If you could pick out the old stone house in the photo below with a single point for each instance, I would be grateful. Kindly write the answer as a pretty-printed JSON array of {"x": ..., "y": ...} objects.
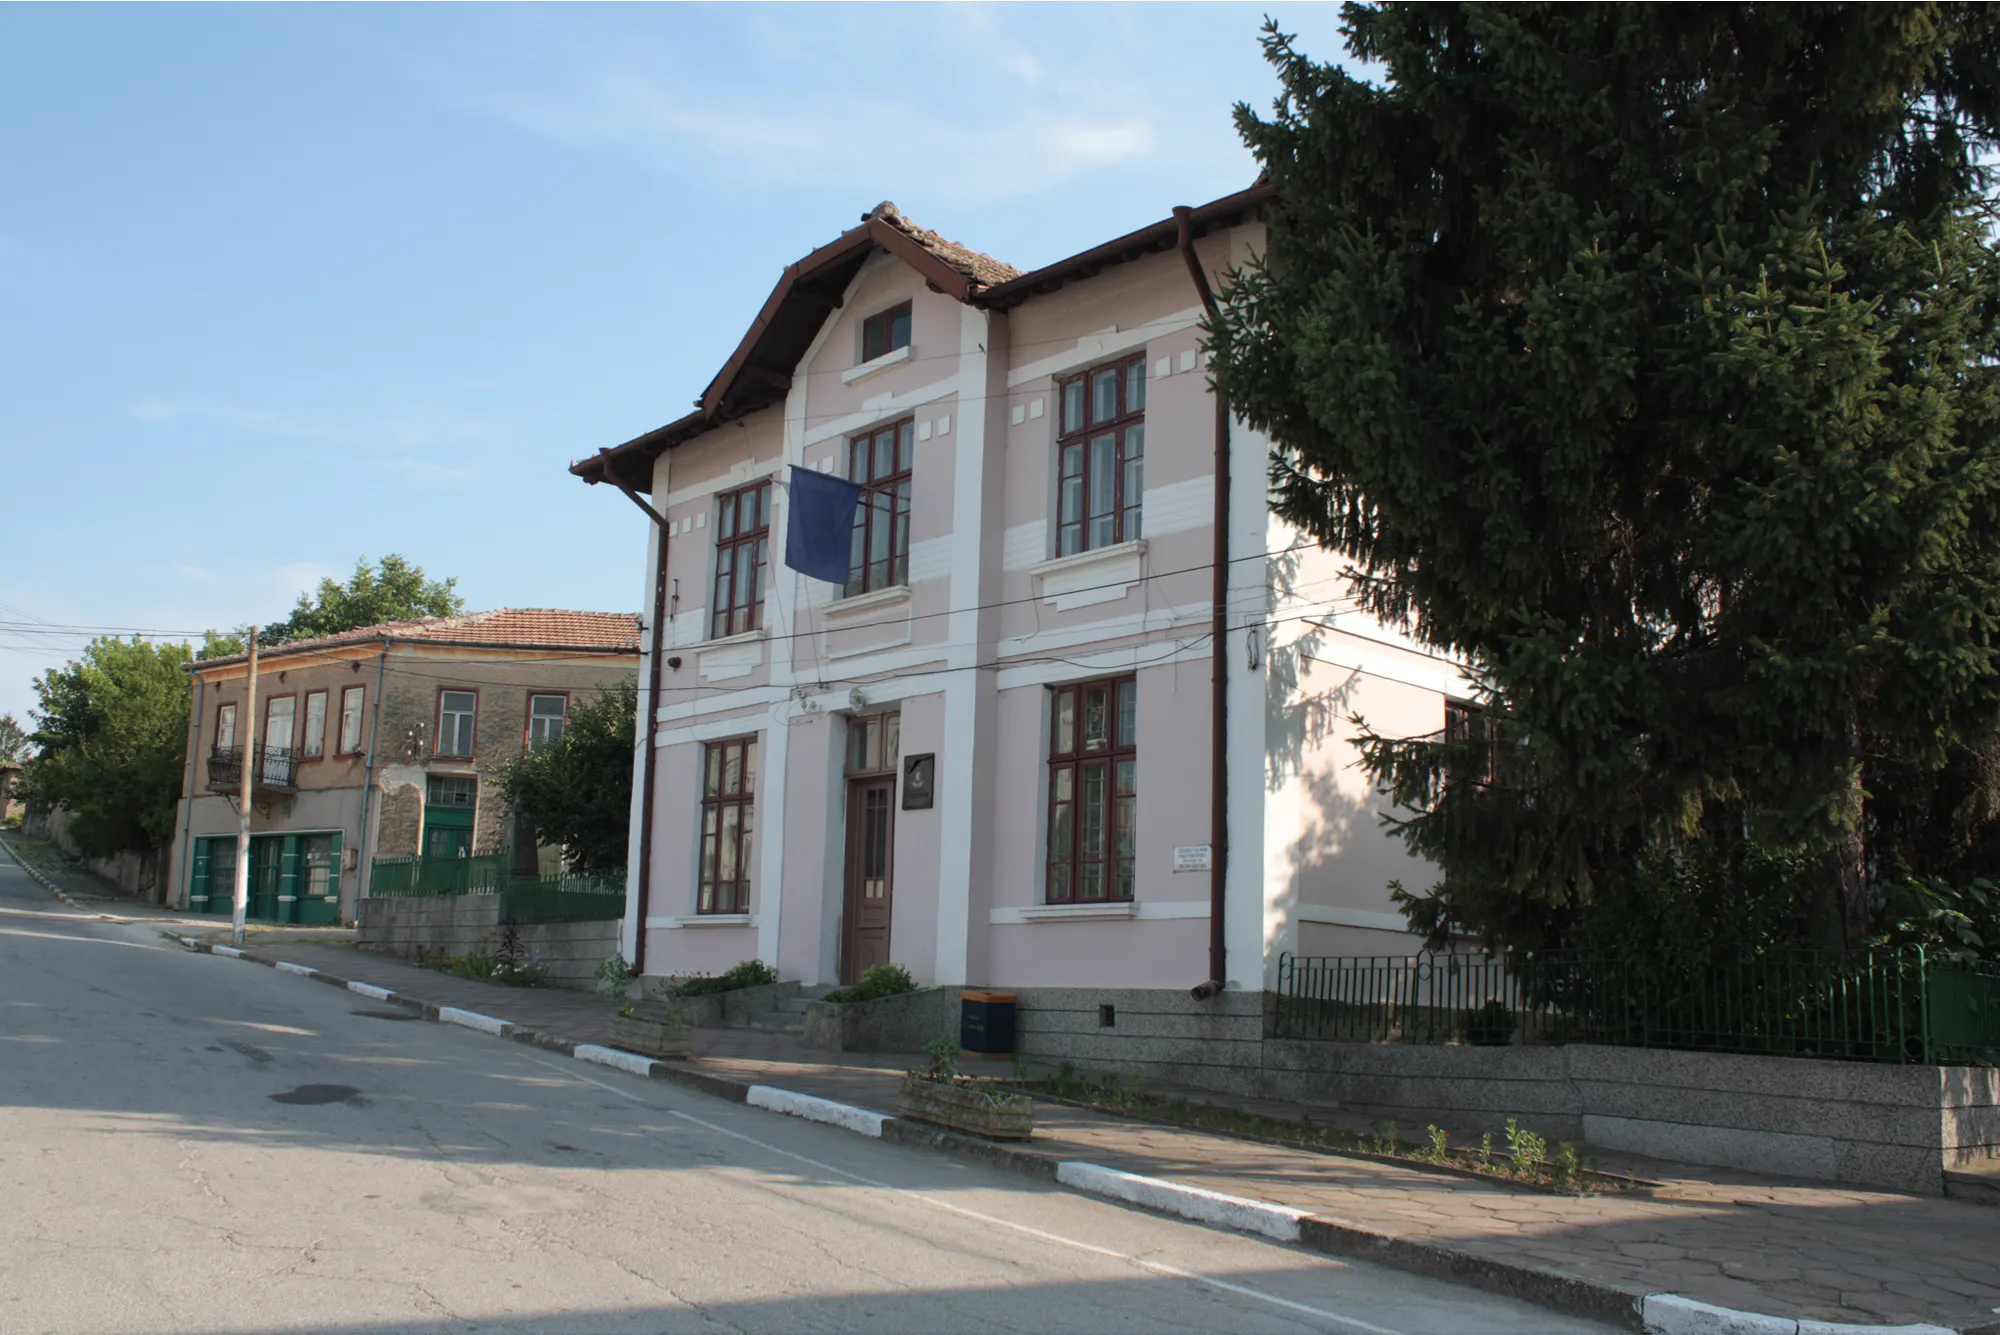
[{"x": 379, "y": 742}]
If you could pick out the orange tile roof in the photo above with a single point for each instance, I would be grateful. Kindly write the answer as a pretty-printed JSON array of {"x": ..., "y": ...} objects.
[
  {"x": 520, "y": 627},
  {"x": 980, "y": 268}
]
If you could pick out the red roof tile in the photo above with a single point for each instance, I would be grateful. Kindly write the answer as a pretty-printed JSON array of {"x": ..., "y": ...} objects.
[
  {"x": 982, "y": 269},
  {"x": 524, "y": 627}
]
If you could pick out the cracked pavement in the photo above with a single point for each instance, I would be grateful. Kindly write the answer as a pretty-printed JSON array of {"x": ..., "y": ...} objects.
[{"x": 151, "y": 1182}]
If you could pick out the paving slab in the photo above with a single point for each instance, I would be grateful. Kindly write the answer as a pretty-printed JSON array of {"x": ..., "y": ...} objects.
[{"x": 1793, "y": 1249}]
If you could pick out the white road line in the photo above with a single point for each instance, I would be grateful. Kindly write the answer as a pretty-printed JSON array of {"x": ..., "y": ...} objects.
[{"x": 1157, "y": 1267}]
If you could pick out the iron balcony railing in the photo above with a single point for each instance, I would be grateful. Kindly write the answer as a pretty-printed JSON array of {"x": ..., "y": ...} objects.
[
  {"x": 1887, "y": 1006},
  {"x": 272, "y": 768}
]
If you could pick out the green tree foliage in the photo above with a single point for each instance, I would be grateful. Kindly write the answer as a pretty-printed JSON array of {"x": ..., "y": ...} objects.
[
  {"x": 1644, "y": 357},
  {"x": 393, "y": 590},
  {"x": 112, "y": 733},
  {"x": 577, "y": 792},
  {"x": 13, "y": 740}
]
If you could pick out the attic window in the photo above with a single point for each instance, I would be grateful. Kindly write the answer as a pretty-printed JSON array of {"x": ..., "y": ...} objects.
[{"x": 883, "y": 333}]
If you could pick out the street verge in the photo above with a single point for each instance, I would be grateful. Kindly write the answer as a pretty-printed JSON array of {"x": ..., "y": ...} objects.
[{"x": 1666, "y": 1314}]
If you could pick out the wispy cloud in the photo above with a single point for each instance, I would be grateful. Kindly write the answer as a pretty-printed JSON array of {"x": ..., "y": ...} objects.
[{"x": 412, "y": 429}]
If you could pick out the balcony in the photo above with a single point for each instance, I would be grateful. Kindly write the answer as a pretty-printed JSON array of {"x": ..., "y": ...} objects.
[{"x": 271, "y": 768}]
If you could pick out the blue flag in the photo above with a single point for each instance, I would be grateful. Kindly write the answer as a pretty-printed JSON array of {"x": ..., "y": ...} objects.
[{"x": 819, "y": 529}]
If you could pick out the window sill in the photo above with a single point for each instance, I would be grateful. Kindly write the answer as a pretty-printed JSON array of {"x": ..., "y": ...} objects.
[
  {"x": 705, "y": 920},
  {"x": 882, "y": 363},
  {"x": 1080, "y": 912},
  {"x": 1100, "y": 576},
  {"x": 845, "y": 608},
  {"x": 727, "y": 641}
]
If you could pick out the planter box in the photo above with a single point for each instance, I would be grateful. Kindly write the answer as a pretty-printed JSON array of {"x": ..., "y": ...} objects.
[
  {"x": 964, "y": 1105},
  {"x": 651, "y": 1038}
]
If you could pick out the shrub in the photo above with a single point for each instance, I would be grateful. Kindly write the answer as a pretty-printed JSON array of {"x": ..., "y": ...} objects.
[
  {"x": 883, "y": 980},
  {"x": 750, "y": 973}
]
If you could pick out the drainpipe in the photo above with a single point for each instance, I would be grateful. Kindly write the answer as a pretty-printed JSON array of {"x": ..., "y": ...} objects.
[
  {"x": 1218, "y": 739},
  {"x": 187, "y": 819},
  {"x": 364, "y": 862},
  {"x": 649, "y": 759}
]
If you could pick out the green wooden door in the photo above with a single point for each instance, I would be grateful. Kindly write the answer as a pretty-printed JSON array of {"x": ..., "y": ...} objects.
[
  {"x": 447, "y": 832},
  {"x": 319, "y": 879}
]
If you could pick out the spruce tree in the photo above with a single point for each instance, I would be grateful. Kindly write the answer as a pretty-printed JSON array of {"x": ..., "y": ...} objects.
[{"x": 1643, "y": 356}]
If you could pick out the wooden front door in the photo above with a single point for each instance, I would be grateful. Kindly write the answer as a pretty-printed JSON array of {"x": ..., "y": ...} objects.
[{"x": 870, "y": 890}]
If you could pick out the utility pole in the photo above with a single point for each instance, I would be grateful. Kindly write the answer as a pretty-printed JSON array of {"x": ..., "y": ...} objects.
[{"x": 250, "y": 759}]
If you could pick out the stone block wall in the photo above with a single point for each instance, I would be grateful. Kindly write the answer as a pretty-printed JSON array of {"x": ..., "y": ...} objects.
[
  {"x": 1867, "y": 1123},
  {"x": 569, "y": 953}
]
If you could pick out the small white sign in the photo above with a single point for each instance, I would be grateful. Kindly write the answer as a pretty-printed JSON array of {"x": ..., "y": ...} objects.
[{"x": 1191, "y": 857}]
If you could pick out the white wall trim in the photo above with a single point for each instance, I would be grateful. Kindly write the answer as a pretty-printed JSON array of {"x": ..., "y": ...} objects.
[
  {"x": 1144, "y": 910},
  {"x": 1082, "y": 579},
  {"x": 1098, "y": 632},
  {"x": 1147, "y": 655},
  {"x": 848, "y": 609},
  {"x": 1334, "y": 916},
  {"x": 1103, "y": 345},
  {"x": 1024, "y": 546},
  {"x": 879, "y": 409},
  {"x": 1178, "y": 507},
  {"x": 741, "y": 474},
  {"x": 770, "y": 882}
]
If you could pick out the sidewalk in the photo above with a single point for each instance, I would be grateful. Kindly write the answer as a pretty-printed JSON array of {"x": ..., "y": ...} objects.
[{"x": 1795, "y": 1250}]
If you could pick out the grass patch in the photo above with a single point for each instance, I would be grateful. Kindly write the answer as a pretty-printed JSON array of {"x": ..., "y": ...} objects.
[{"x": 1524, "y": 1160}]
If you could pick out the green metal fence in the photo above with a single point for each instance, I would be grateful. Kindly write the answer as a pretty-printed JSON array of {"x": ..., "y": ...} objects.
[
  {"x": 482, "y": 875},
  {"x": 1896, "y": 1006},
  {"x": 566, "y": 897}
]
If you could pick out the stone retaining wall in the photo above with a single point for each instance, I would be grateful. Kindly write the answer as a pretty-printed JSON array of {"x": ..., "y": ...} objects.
[
  {"x": 568, "y": 952},
  {"x": 1862, "y": 1122}
]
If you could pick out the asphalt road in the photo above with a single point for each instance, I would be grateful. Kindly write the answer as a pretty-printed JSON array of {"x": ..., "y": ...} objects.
[{"x": 189, "y": 1142}]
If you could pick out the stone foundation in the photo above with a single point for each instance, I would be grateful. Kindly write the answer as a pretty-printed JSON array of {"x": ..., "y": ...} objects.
[
  {"x": 1867, "y": 1123},
  {"x": 569, "y": 952}
]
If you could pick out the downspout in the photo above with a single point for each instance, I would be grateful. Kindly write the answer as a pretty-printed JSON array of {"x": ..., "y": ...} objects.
[
  {"x": 650, "y": 758},
  {"x": 187, "y": 819},
  {"x": 364, "y": 870},
  {"x": 1218, "y": 708}
]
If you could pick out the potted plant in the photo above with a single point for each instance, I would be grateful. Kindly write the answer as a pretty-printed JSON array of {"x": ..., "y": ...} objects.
[
  {"x": 938, "y": 1094},
  {"x": 659, "y": 1035},
  {"x": 668, "y": 1035}
]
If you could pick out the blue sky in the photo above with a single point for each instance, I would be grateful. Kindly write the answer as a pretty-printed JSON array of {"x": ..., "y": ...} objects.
[{"x": 283, "y": 286}]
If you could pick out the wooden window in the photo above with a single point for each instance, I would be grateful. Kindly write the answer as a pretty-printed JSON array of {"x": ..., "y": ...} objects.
[
  {"x": 880, "y": 461},
  {"x": 883, "y": 333},
  {"x": 457, "y": 711},
  {"x": 728, "y": 810},
  {"x": 1101, "y": 447},
  {"x": 742, "y": 545},
  {"x": 225, "y": 727},
  {"x": 1093, "y": 790},
  {"x": 873, "y": 743},
  {"x": 313, "y": 744},
  {"x": 456, "y": 792},
  {"x": 1468, "y": 726},
  {"x": 350, "y": 721},
  {"x": 546, "y": 716}
]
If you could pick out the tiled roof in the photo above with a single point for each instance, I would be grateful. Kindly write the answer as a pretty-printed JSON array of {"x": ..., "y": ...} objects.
[
  {"x": 982, "y": 269},
  {"x": 530, "y": 627}
]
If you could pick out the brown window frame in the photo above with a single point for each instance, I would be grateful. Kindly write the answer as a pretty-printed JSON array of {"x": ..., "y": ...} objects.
[
  {"x": 713, "y": 893},
  {"x": 729, "y": 615},
  {"x": 884, "y": 506},
  {"x": 1070, "y": 760},
  {"x": 306, "y": 750},
  {"x": 528, "y": 723},
  {"x": 340, "y": 746},
  {"x": 1461, "y": 718},
  {"x": 1077, "y": 427},
  {"x": 883, "y": 322},
  {"x": 437, "y": 747}
]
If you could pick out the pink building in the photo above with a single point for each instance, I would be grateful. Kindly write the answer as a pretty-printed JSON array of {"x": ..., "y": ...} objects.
[{"x": 987, "y": 756}]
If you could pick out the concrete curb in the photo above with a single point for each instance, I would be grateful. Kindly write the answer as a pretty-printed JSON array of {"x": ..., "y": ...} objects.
[
  {"x": 35, "y": 875},
  {"x": 1658, "y": 1313}
]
